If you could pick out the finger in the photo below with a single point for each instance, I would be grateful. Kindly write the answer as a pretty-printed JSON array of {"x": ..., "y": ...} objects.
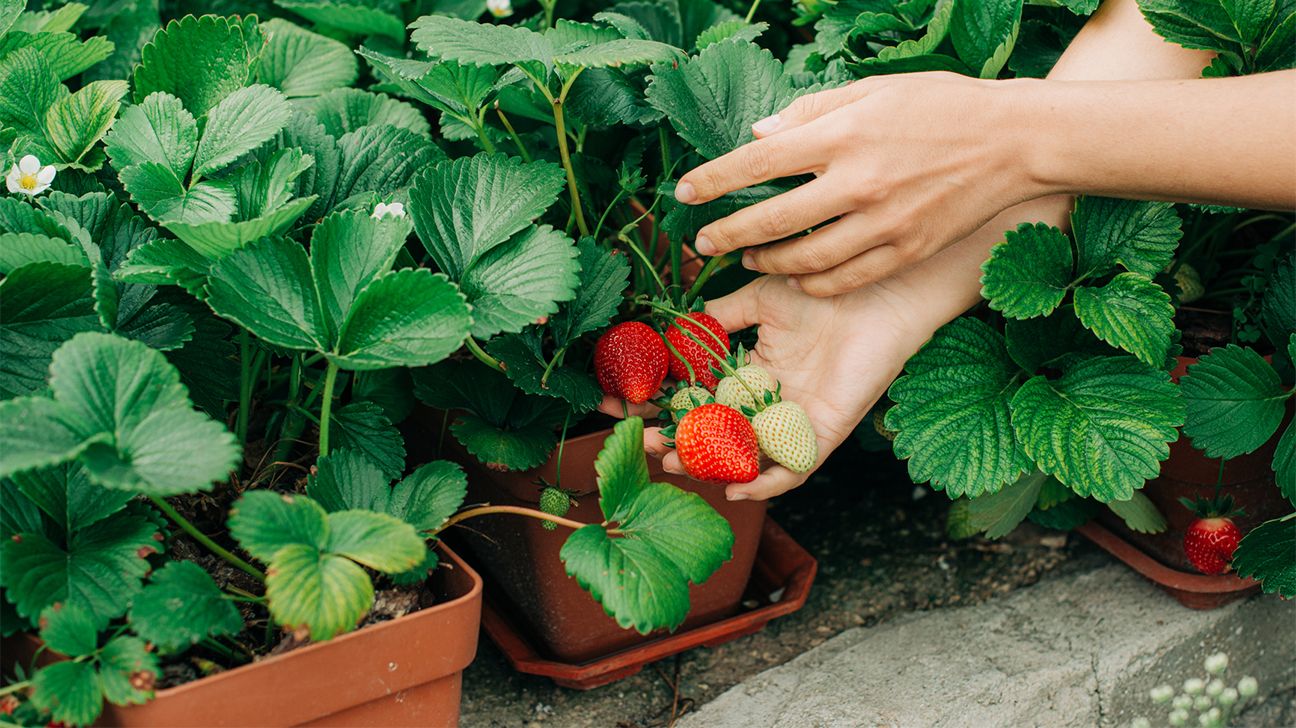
[
  {"x": 819, "y": 251},
  {"x": 655, "y": 443},
  {"x": 776, "y": 218},
  {"x": 671, "y": 463},
  {"x": 739, "y": 309},
  {"x": 752, "y": 163},
  {"x": 810, "y": 107},
  {"x": 775, "y": 481},
  {"x": 868, "y": 267},
  {"x": 617, "y": 407}
]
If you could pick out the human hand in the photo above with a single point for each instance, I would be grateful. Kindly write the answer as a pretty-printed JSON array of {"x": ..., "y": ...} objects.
[
  {"x": 907, "y": 165},
  {"x": 833, "y": 356}
]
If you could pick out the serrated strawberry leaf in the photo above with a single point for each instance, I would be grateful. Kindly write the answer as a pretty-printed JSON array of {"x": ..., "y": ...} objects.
[
  {"x": 1265, "y": 554},
  {"x": 531, "y": 373},
  {"x": 69, "y": 691},
  {"x": 349, "y": 18},
  {"x": 126, "y": 666},
  {"x": 1130, "y": 312},
  {"x": 1029, "y": 273},
  {"x": 345, "y": 110},
  {"x": 67, "y": 495},
  {"x": 324, "y": 593},
  {"x": 301, "y": 63},
  {"x": 1103, "y": 428},
  {"x": 1139, "y": 513},
  {"x": 158, "y": 130},
  {"x": 521, "y": 281},
  {"x": 983, "y": 33},
  {"x": 19, "y": 249},
  {"x": 180, "y": 606},
  {"x": 952, "y": 415},
  {"x": 431, "y": 494},
  {"x": 1138, "y": 236},
  {"x": 199, "y": 60},
  {"x": 405, "y": 318},
  {"x": 68, "y": 630},
  {"x": 237, "y": 124},
  {"x": 604, "y": 276},
  {"x": 264, "y": 522},
  {"x": 363, "y": 427},
  {"x": 1235, "y": 402},
  {"x": 997, "y": 514},
  {"x": 664, "y": 539},
  {"x": 75, "y": 123},
  {"x": 45, "y": 304}
]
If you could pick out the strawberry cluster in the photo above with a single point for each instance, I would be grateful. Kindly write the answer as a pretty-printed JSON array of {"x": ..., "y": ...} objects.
[{"x": 725, "y": 411}]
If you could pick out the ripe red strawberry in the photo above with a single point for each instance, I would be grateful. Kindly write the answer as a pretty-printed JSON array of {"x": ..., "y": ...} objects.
[
  {"x": 630, "y": 361},
  {"x": 697, "y": 356},
  {"x": 717, "y": 444},
  {"x": 1210, "y": 543}
]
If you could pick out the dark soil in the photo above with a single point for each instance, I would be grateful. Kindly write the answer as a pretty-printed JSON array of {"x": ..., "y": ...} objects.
[{"x": 882, "y": 551}]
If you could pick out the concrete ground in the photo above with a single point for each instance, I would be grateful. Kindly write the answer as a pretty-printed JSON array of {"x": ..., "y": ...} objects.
[{"x": 906, "y": 627}]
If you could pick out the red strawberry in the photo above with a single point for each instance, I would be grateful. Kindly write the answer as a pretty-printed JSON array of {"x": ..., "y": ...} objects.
[
  {"x": 630, "y": 361},
  {"x": 695, "y": 353},
  {"x": 717, "y": 444},
  {"x": 1210, "y": 543}
]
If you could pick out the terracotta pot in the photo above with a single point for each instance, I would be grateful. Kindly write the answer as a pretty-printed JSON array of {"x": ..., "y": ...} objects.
[
  {"x": 780, "y": 583},
  {"x": 520, "y": 557},
  {"x": 406, "y": 672}
]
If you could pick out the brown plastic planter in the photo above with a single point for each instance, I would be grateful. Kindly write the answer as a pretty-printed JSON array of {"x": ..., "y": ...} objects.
[
  {"x": 520, "y": 558},
  {"x": 406, "y": 672},
  {"x": 1188, "y": 473},
  {"x": 782, "y": 568}
]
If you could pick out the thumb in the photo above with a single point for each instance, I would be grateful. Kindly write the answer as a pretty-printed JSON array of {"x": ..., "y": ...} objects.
[
  {"x": 738, "y": 310},
  {"x": 809, "y": 107}
]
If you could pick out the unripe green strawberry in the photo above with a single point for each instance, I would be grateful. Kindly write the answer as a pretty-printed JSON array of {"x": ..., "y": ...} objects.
[
  {"x": 687, "y": 398},
  {"x": 785, "y": 434},
  {"x": 555, "y": 502},
  {"x": 736, "y": 389},
  {"x": 1189, "y": 284}
]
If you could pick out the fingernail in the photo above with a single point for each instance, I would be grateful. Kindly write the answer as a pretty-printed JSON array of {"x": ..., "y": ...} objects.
[
  {"x": 685, "y": 193},
  {"x": 749, "y": 261},
  {"x": 737, "y": 496},
  {"x": 793, "y": 284},
  {"x": 704, "y": 246},
  {"x": 768, "y": 125}
]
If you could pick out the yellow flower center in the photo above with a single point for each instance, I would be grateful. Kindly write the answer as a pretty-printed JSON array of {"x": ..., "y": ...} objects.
[{"x": 27, "y": 181}]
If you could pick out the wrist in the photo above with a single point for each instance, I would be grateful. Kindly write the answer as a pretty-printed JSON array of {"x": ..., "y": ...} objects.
[{"x": 1035, "y": 110}]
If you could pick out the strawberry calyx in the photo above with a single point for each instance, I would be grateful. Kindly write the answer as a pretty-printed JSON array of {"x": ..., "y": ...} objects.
[{"x": 1219, "y": 506}]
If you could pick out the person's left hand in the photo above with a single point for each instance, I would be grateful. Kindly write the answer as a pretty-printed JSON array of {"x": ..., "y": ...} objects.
[{"x": 906, "y": 165}]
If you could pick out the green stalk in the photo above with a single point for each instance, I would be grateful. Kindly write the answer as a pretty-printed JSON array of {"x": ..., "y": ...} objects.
[
  {"x": 245, "y": 386},
  {"x": 560, "y": 126},
  {"x": 643, "y": 257},
  {"x": 751, "y": 12},
  {"x": 544, "y": 378},
  {"x": 203, "y": 539},
  {"x": 712, "y": 265},
  {"x": 293, "y": 423},
  {"x": 326, "y": 407},
  {"x": 480, "y": 127},
  {"x": 15, "y": 687},
  {"x": 482, "y": 356},
  {"x": 517, "y": 140}
]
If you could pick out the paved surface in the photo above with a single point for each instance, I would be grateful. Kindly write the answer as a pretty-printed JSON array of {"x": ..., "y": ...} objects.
[{"x": 1081, "y": 650}]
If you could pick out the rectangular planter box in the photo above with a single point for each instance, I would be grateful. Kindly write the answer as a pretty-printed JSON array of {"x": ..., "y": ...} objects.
[
  {"x": 406, "y": 672},
  {"x": 520, "y": 557}
]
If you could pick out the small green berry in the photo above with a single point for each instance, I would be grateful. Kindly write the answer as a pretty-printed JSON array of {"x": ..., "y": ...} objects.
[
  {"x": 1248, "y": 687},
  {"x": 1182, "y": 702},
  {"x": 1162, "y": 694},
  {"x": 1228, "y": 697},
  {"x": 1194, "y": 685},
  {"x": 555, "y": 502},
  {"x": 1178, "y": 717},
  {"x": 1201, "y": 702},
  {"x": 1217, "y": 663},
  {"x": 1140, "y": 722},
  {"x": 1215, "y": 687}
]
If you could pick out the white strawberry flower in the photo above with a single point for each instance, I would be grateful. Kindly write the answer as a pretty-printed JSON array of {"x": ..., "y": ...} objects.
[
  {"x": 28, "y": 177},
  {"x": 383, "y": 209},
  {"x": 500, "y": 8}
]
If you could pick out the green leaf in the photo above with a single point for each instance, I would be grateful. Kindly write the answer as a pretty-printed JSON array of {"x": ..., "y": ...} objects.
[
  {"x": 1284, "y": 464},
  {"x": 1029, "y": 273},
  {"x": 604, "y": 276},
  {"x": 1235, "y": 402},
  {"x": 267, "y": 288},
  {"x": 506, "y": 447},
  {"x": 1140, "y": 236},
  {"x": 376, "y": 540},
  {"x": 464, "y": 208},
  {"x": 180, "y": 606},
  {"x": 1130, "y": 312},
  {"x": 952, "y": 412},
  {"x": 346, "y": 479},
  {"x": 40, "y": 434},
  {"x": 350, "y": 250},
  {"x": 733, "y": 31},
  {"x": 1278, "y": 309},
  {"x": 345, "y": 110},
  {"x": 713, "y": 99},
  {"x": 430, "y": 495},
  {"x": 99, "y": 569},
  {"x": 351, "y": 18},
  {"x": 668, "y": 538},
  {"x": 406, "y": 318},
  {"x": 19, "y": 249},
  {"x": 216, "y": 238},
  {"x": 997, "y": 514},
  {"x": 301, "y": 63},
  {"x": 362, "y": 427},
  {"x": 162, "y": 195},
  {"x": 617, "y": 53},
  {"x": 481, "y": 44},
  {"x": 67, "y": 495},
  {"x": 237, "y": 124},
  {"x": 1057, "y": 341},
  {"x": 68, "y": 630},
  {"x": 1265, "y": 554},
  {"x": 450, "y": 87},
  {"x": 44, "y": 304},
  {"x": 1139, "y": 513},
  {"x": 325, "y": 593},
  {"x": 387, "y": 388},
  {"x": 264, "y": 523},
  {"x": 28, "y": 88},
  {"x": 66, "y": 54},
  {"x": 122, "y": 662},
  {"x": 527, "y": 369},
  {"x": 606, "y": 97},
  {"x": 381, "y": 160},
  {"x": 159, "y": 130},
  {"x": 1103, "y": 428},
  {"x": 983, "y": 33},
  {"x": 521, "y": 281},
  {"x": 69, "y": 691},
  {"x": 75, "y": 123},
  {"x": 199, "y": 60}
]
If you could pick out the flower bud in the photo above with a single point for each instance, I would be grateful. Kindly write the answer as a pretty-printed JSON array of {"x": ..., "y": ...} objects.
[
  {"x": 1248, "y": 687},
  {"x": 1228, "y": 697},
  {"x": 1217, "y": 663},
  {"x": 1162, "y": 694},
  {"x": 1194, "y": 685},
  {"x": 1215, "y": 687},
  {"x": 1201, "y": 702},
  {"x": 1140, "y": 722},
  {"x": 1178, "y": 717},
  {"x": 1182, "y": 702}
]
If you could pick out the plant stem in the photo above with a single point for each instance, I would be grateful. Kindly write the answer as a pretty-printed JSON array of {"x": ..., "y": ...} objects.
[
  {"x": 482, "y": 356},
  {"x": 643, "y": 257},
  {"x": 712, "y": 265},
  {"x": 203, "y": 539},
  {"x": 292, "y": 425},
  {"x": 562, "y": 442},
  {"x": 479, "y": 127},
  {"x": 544, "y": 378},
  {"x": 15, "y": 687},
  {"x": 326, "y": 407},
  {"x": 245, "y": 388},
  {"x": 598, "y": 227},
  {"x": 517, "y": 140},
  {"x": 751, "y": 12},
  {"x": 517, "y": 511},
  {"x": 564, "y": 153}
]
